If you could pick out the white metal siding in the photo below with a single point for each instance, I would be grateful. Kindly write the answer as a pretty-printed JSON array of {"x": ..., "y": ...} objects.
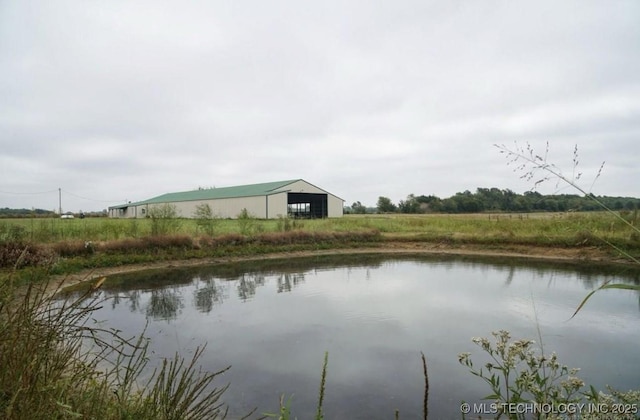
[
  {"x": 335, "y": 206},
  {"x": 302, "y": 187},
  {"x": 225, "y": 208},
  {"x": 277, "y": 205},
  {"x": 265, "y": 206}
]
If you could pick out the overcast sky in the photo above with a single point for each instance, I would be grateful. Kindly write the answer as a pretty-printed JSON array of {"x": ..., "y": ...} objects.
[{"x": 120, "y": 100}]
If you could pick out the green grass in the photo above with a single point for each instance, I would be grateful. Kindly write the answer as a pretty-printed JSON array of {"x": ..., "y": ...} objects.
[
  {"x": 47, "y": 373},
  {"x": 58, "y": 364},
  {"x": 74, "y": 244},
  {"x": 522, "y": 225}
]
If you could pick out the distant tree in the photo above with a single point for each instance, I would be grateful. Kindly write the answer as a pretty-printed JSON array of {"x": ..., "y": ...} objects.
[
  {"x": 7, "y": 212},
  {"x": 449, "y": 205},
  {"x": 358, "y": 208},
  {"x": 429, "y": 203},
  {"x": 521, "y": 203},
  {"x": 466, "y": 202},
  {"x": 385, "y": 205},
  {"x": 410, "y": 205},
  {"x": 546, "y": 204},
  {"x": 509, "y": 198},
  {"x": 498, "y": 200}
]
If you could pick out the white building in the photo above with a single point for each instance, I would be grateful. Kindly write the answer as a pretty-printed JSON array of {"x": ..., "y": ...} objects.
[{"x": 293, "y": 198}]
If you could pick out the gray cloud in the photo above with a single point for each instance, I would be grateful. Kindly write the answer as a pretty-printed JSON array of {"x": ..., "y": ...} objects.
[{"x": 118, "y": 100}]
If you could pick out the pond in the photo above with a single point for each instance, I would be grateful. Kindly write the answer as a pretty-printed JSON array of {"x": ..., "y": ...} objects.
[{"x": 273, "y": 321}]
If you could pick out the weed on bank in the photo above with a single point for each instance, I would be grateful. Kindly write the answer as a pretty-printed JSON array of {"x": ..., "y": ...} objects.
[{"x": 56, "y": 363}]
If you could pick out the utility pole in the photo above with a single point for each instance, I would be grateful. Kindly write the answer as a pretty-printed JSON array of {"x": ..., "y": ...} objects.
[{"x": 60, "y": 200}]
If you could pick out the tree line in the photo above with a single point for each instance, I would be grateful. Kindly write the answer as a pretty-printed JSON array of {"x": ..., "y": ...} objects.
[
  {"x": 7, "y": 212},
  {"x": 495, "y": 200}
]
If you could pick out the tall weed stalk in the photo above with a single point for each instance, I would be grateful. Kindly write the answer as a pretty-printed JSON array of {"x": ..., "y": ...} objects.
[
  {"x": 537, "y": 168},
  {"x": 57, "y": 362},
  {"x": 323, "y": 381}
]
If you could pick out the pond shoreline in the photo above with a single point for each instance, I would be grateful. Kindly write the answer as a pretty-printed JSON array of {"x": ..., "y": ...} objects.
[
  {"x": 583, "y": 255},
  {"x": 373, "y": 309}
]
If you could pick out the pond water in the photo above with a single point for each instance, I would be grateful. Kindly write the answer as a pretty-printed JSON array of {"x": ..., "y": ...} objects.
[{"x": 273, "y": 321}]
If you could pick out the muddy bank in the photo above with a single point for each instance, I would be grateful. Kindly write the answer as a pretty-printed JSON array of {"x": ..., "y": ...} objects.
[{"x": 577, "y": 255}]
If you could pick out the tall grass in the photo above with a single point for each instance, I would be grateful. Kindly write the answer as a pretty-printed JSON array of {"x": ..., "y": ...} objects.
[
  {"x": 536, "y": 167},
  {"x": 57, "y": 363},
  {"x": 285, "y": 407},
  {"x": 90, "y": 243},
  {"x": 534, "y": 225},
  {"x": 519, "y": 373},
  {"x": 72, "y": 255}
]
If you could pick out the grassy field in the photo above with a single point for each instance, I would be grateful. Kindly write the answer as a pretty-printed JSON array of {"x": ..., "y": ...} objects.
[
  {"x": 49, "y": 374},
  {"x": 515, "y": 224},
  {"x": 544, "y": 228},
  {"x": 70, "y": 245}
]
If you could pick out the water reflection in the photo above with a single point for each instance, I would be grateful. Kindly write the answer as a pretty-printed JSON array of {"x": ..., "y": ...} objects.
[
  {"x": 208, "y": 293},
  {"x": 286, "y": 282},
  {"x": 164, "y": 304},
  {"x": 252, "y": 275},
  {"x": 247, "y": 285},
  {"x": 273, "y": 321},
  {"x": 132, "y": 297}
]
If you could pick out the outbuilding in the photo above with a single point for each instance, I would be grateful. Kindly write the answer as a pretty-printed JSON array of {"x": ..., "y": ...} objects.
[{"x": 293, "y": 198}]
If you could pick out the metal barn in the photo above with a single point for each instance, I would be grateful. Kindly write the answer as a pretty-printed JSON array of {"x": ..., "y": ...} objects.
[{"x": 271, "y": 200}]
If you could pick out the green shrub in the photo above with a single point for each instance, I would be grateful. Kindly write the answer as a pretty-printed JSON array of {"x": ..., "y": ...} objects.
[
  {"x": 133, "y": 228},
  {"x": 516, "y": 373},
  {"x": 164, "y": 219},
  {"x": 246, "y": 222},
  {"x": 12, "y": 232},
  {"x": 205, "y": 219}
]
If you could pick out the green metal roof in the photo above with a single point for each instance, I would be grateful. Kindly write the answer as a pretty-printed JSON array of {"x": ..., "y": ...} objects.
[{"x": 251, "y": 190}]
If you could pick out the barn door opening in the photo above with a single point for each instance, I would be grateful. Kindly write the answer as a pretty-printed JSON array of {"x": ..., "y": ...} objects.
[{"x": 307, "y": 206}]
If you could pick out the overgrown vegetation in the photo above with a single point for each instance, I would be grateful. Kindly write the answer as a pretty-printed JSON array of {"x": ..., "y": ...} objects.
[
  {"x": 205, "y": 219},
  {"x": 285, "y": 407},
  {"x": 56, "y": 363},
  {"x": 69, "y": 245},
  {"x": 164, "y": 219},
  {"x": 521, "y": 376},
  {"x": 536, "y": 167},
  {"x": 553, "y": 228},
  {"x": 517, "y": 372},
  {"x": 247, "y": 223},
  {"x": 73, "y": 255}
]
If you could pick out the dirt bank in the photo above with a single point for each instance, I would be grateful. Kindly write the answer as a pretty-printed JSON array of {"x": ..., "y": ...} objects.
[{"x": 590, "y": 255}]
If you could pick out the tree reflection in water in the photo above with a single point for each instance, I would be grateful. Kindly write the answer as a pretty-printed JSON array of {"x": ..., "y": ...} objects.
[
  {"x": 207, "y": 293},
  {"x": 116, "y": 298},
  {"x": 287, "y": 281},
  {"x": 134, "y": 300},
  {"x": 247, "y": 285},
  {"x": 164, "y": 304}
]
